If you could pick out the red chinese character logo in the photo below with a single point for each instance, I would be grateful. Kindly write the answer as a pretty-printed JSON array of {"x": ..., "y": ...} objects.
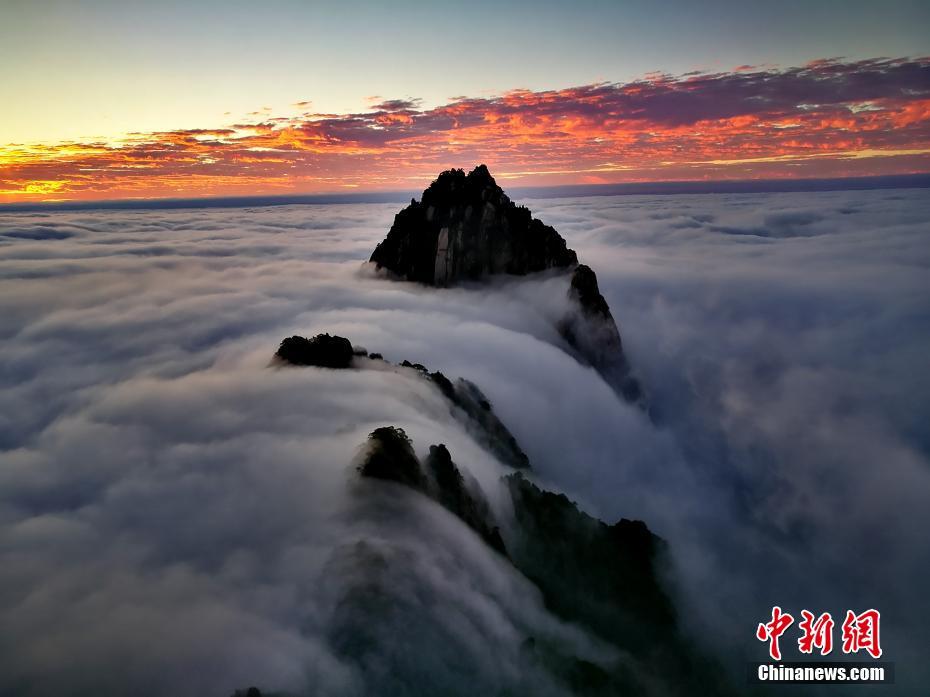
[
  {"x": 861, "y": 632},
  {"x": 817, "y": 633},
  {"x": 774, "y": 629}
]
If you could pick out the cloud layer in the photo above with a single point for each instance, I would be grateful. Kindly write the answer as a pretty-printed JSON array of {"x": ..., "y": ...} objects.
[
  {"x": 177, "y": 517},
  {"x": 829, "y": 118}
]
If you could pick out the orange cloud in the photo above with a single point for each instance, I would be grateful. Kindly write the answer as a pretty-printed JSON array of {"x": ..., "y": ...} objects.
[{"x": 828, "y": 118}]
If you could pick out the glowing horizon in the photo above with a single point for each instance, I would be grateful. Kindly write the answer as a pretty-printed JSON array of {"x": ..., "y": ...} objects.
[{"x": 828, "y": 118}]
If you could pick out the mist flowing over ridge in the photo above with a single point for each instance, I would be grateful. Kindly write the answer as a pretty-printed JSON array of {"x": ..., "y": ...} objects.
[{"x": 181, "y": 518}]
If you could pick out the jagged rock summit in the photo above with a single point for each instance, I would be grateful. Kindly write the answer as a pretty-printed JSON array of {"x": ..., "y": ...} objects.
[{"x": 465, "y": 228}]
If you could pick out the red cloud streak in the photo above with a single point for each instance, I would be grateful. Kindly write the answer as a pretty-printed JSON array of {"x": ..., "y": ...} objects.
[{"x": 828, "y": 118}]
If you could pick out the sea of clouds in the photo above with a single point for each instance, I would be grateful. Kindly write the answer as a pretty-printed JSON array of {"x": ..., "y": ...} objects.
[{"x": 179, "y": 517}]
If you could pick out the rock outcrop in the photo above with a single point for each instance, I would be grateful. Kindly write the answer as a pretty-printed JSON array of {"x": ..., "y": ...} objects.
[
  {"x": 594, "y": 333},
  {"x": 563, "y": 550},
  {"x": 465, "y": 228},
  {"x": 460, "y": 494},
  {"x": 389, "y": 455},
  {"x": 482, "y": 423},
  {"x": 323, "y": 351}
]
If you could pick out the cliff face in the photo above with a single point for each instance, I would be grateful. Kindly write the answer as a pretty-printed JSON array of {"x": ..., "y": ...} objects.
[
  {"x": 465, "y": 228},
  {"x": 603, "y": 576},
  {"x": 594, "y": 334},
  {"x": 390, "y": 456}
]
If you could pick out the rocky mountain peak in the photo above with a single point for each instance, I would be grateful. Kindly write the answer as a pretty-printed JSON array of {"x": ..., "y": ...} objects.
[{"x": 464, "y": 228}]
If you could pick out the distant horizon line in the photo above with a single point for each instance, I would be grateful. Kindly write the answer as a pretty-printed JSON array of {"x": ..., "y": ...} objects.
[{"x": 673, "y": 187}]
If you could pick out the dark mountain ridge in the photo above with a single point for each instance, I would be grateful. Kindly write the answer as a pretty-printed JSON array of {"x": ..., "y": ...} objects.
[{"x": 604, "y": 577}]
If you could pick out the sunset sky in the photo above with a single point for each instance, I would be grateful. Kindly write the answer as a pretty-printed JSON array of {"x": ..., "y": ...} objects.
[{"x": 108, "y": 99}]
